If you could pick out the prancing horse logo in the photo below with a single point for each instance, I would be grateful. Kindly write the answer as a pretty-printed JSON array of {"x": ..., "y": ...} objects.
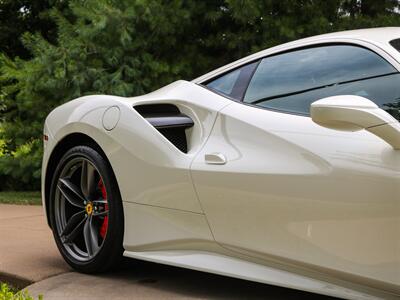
[{"x": 89, "y": 208}]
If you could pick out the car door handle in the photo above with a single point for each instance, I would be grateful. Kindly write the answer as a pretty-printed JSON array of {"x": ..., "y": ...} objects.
[{"x": 215, "y": 159}]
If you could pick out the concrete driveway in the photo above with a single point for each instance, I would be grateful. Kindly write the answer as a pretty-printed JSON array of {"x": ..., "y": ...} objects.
[
  {"x": 144, "y": 280},
  {"x": 27, "y": 250},
  {"x": 28, "y": 256}
]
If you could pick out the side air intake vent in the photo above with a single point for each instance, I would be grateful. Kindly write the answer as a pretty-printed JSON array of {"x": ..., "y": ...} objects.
[{"x": 169, "y": 121}]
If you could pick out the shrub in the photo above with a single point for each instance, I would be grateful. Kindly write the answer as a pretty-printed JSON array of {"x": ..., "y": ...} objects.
[
  {"x": 20, "y": 169},
  {"x": 6, "y": 293}
]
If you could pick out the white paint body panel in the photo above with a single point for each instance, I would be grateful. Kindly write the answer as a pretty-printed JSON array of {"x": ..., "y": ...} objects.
[
  {"x": 280, "y": 200},
  {"x": 297, "y": 191},
  {"x": 233, "y": 267}
]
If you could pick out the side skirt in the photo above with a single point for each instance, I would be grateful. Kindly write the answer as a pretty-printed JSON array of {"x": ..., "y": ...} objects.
[{"x": 237, "y": 268}]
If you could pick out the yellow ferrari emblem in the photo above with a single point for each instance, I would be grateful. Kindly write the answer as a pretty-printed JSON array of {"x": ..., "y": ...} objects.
[{"x": 89, "y": 208}]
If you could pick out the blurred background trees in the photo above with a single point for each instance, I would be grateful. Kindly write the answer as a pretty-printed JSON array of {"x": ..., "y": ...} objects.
[{"x": 52, "y": 51}]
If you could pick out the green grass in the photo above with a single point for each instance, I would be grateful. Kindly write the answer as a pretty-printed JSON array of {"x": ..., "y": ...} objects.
[{"x": 21, "y": 198}]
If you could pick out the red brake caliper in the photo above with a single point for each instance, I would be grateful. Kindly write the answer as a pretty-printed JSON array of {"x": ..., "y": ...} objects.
[{"x": 104, "y": 226}]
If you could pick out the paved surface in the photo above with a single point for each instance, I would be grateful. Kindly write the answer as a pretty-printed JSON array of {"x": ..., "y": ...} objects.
[
  {"x": 27, "y": 250},
  {"x": 28, "y": 254},
  {"x": 144, "y": 280}
]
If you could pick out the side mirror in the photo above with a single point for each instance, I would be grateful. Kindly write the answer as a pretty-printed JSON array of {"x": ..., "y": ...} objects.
[{"x": 353, "y": 113}]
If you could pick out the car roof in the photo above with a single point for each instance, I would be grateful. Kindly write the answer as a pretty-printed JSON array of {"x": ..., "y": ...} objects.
[
  {"x": 379, "y": 37},
  {"x": 381, "y": 34}
]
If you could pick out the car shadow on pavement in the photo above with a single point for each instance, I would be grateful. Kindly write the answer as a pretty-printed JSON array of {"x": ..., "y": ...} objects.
[
  {"x": 136, "y": 279},
  {"x": 185, "y": 283}
]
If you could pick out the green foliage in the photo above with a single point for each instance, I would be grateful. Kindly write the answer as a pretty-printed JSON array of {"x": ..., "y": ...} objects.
[
  {"x": 6, "y": 293},
  {"x": 2, "y": 145},
  {"x": 20, "y": 16},
  {"x": 20, "y": 169},
  {"x": 127, "y": 48}
]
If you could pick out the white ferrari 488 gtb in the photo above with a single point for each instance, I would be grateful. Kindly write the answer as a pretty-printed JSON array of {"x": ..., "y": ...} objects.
[{"x": 281, "y": 168}]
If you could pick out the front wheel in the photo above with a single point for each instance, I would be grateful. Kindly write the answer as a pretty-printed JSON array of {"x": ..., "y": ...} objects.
[{"x": 86, "y": 211}]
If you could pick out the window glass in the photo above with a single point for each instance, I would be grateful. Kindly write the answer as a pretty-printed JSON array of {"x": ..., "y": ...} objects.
[
  {"x": 234, "y": 83},
  {"x": 396, "y": 44},
  {"x": 224, "y": 84},
  {"x": 292, "y": 81},
  {"x": 384, "y": 91}
]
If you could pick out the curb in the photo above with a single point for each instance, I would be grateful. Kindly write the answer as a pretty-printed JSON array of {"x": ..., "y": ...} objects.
[{"x": 15, "y": 280}]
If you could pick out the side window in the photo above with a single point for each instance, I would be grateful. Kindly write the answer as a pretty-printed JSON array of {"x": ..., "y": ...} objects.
[
  {"x": 291, "y": 81},
  {"x": 234, "y": 83},
  {"x": 395, "y": 44}
]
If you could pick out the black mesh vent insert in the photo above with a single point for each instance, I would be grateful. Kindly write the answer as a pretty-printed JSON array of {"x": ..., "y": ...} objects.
[
  {"x": 169, "y": 121},
  {"x": 176, "y": 136}
]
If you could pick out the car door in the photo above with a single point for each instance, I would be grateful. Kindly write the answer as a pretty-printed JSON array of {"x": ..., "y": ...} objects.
[{"x": 275, "y": 185}]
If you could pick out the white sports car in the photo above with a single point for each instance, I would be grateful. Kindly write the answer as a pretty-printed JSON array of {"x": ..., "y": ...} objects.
[{"x": 282, "y": 168}]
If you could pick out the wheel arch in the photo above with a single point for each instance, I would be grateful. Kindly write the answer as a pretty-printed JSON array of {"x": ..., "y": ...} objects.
[{"x": 69, "y": 141}]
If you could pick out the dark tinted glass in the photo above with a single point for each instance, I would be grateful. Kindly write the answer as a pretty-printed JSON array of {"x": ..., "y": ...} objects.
[
  {"x": 225, "y": 84},
  {"x": 292, "y": 81},
  {"x": 384, "y": 91},
  {"x": 234, "y": 83},
  {"x": 396, "y": 44}
]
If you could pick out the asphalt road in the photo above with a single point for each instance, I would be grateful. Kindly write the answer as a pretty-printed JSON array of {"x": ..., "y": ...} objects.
[{"x": 144, "y": 280}]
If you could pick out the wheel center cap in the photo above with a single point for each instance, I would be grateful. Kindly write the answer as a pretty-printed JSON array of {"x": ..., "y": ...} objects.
[{"x": 89, "y": 208}]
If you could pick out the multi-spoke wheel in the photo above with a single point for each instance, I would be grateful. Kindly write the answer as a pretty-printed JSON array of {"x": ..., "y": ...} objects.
[{"x": 86, "y": 218}]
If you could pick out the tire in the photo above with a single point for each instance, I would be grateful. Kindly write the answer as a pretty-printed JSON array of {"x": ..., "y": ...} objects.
[{"x": 86, "y": 213}]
